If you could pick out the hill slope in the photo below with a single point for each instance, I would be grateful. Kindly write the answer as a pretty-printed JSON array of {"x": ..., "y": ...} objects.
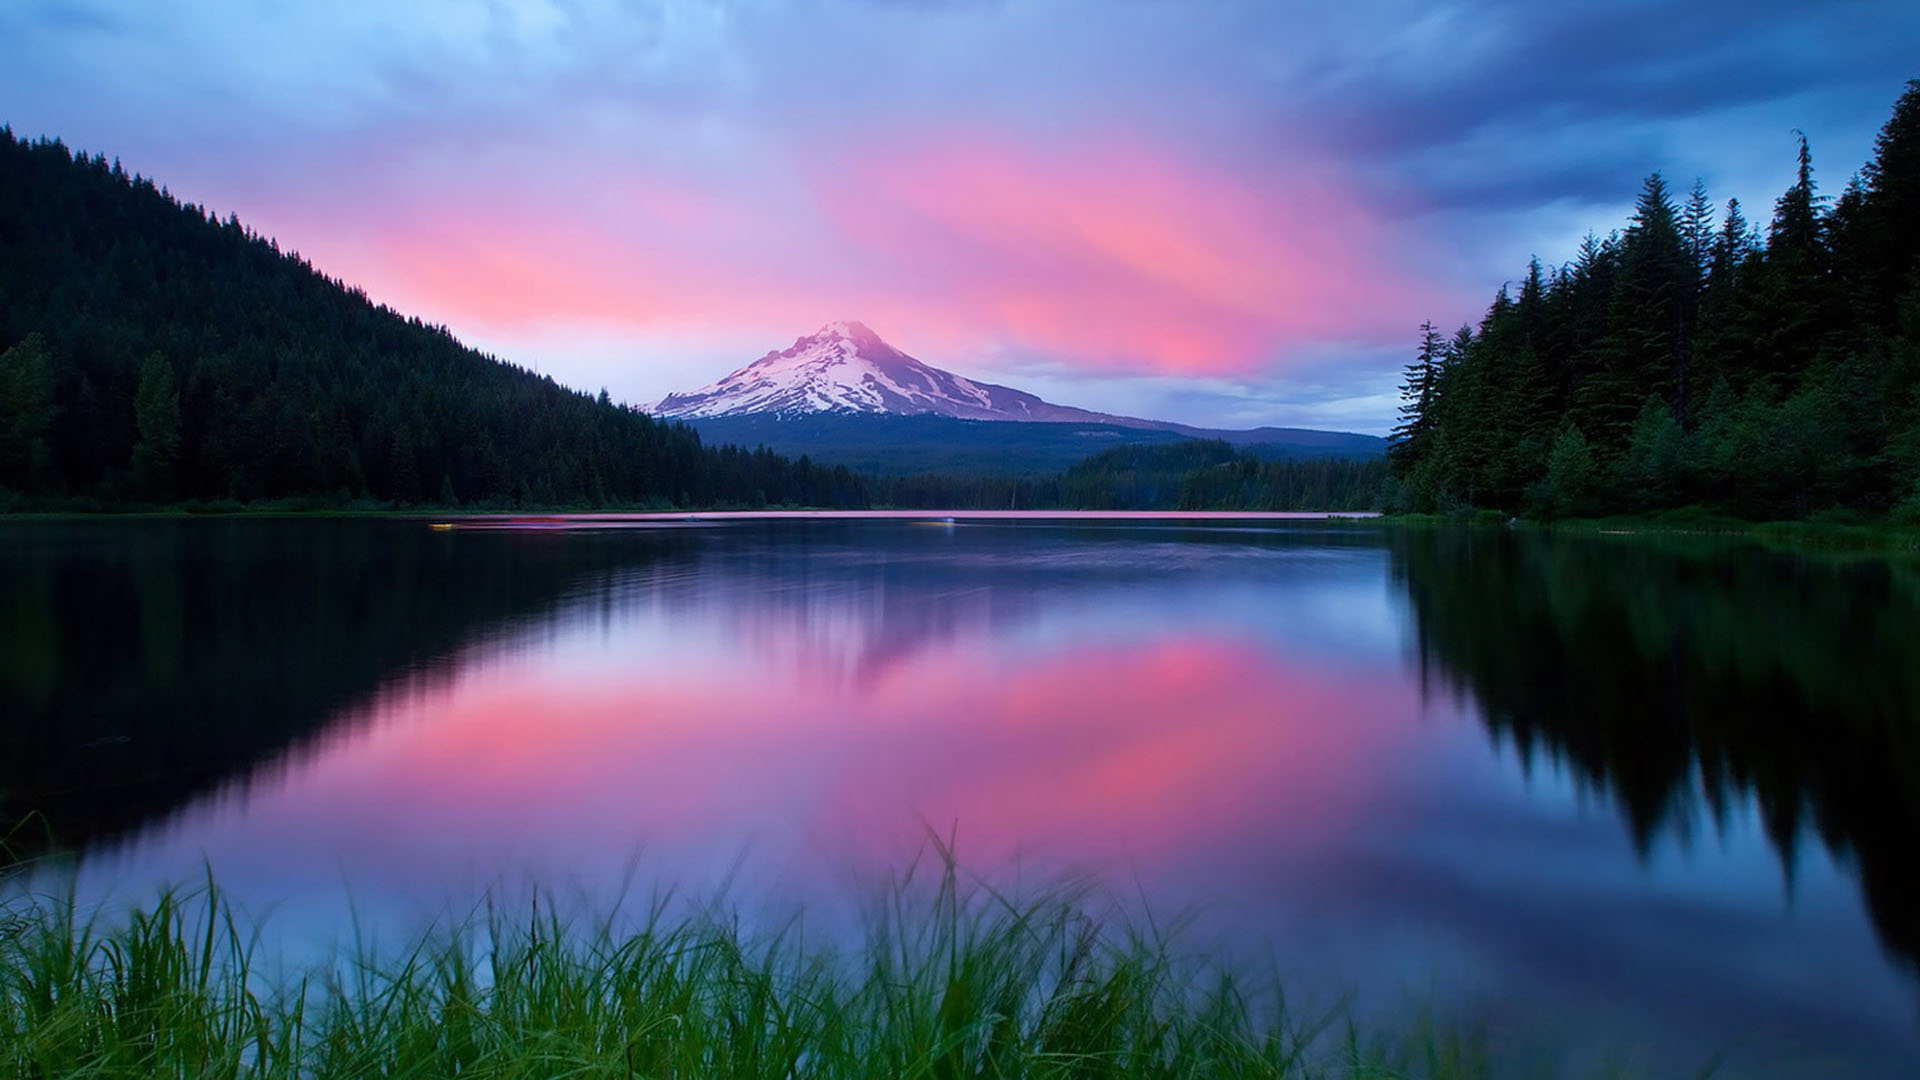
[
  {"x": 901, "y": 445},
  {"x": 150, "y": 353},
  {"x": 1184, "y": 474},
  {"x": 878, "y": 443}
]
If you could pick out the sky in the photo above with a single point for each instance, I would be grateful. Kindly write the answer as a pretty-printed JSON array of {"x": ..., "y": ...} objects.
[{"x": 1228, "y": 213}]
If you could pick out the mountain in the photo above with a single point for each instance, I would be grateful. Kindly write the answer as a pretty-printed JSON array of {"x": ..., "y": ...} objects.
[
  {"x": 842, "y": 394},
  {"x": 845, "y": 368},
  {"x": 151, "y": 353},
  {"x": 154, "y": 354}
]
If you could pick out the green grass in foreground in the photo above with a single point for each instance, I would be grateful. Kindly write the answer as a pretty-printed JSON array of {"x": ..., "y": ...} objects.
[{"x": 948, "y": 980}]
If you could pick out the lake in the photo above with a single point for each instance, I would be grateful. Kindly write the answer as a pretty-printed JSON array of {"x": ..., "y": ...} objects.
[{"x": 1608, "y": 796}]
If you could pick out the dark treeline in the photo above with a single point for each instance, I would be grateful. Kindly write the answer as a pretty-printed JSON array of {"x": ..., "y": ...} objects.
[
  {"x": 1685, "y": 680},
  {"x": 1692, "y": 360},
  {"x": 1197, "y": 474},
  {"x": 150, "y": 354}
]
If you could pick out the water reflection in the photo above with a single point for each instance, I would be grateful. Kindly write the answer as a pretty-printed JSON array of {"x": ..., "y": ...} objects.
[
  {"x": 1681, "y": 681},
  {"x": 142, "y": 664},
  {"x": 1700, "y": 759},
  {"x": 1118, "y": 753}
]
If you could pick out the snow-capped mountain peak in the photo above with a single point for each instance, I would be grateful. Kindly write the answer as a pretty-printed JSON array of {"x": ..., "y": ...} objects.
[{"x": 844, "y": 367}]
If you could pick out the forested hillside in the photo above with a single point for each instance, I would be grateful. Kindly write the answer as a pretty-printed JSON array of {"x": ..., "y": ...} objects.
[
  {"x": 1194, "y": 474},
  {"x": 151, "y": 354},
  {"x": 1694, "y": 358},
  {"x": 892, "y": 445}
]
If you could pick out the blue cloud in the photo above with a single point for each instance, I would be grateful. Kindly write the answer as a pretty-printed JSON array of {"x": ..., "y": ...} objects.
[{"x": 1482, "y": 128}]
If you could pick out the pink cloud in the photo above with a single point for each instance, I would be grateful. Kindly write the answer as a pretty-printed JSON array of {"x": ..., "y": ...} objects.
[
  {"x": 1123, "y": 255},
  {"x": 1109, "y": 255}
]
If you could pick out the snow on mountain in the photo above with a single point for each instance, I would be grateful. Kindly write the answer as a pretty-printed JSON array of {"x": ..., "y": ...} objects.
[{"x": 845, "y": 368}]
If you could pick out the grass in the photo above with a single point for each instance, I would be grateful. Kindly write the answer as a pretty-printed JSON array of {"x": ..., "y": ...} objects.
[{"x": 947, "y": 979}]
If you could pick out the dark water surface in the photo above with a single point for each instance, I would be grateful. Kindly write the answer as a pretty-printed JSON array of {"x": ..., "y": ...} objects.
[{"x": 1657, "y": 798}]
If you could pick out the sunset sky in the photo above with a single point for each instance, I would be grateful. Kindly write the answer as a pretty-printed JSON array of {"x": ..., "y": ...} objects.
[{"x": 1226, "y": 213}]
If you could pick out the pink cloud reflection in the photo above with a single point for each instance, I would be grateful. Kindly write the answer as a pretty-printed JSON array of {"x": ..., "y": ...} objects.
[{"x": 1098, "y": 756}]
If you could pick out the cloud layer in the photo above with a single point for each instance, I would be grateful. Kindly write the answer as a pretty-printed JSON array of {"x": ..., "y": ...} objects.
[{"x": 1223, "y": 213}]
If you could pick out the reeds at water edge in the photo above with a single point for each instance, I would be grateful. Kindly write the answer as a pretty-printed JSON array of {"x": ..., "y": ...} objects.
[{"x": 946, "y": 978}]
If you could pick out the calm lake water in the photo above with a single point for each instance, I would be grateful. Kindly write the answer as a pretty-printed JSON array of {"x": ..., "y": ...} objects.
[{"x": 1652, "y": 799}]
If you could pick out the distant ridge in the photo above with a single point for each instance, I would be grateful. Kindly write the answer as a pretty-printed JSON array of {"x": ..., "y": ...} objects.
[
  {"x": 880, "y": 443},
  {"x": 846, "y": 370}
]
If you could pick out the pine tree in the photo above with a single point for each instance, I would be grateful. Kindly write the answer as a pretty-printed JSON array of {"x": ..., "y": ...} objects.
[
  {"x": 156, "y": 410},
  {"x": 1571, "y": 475},
  {"x": 1732, "y": 245},
  {"x": 27, "y": 415},
  {"x": 1795, "y": 305},
  {"x": 1724, "y": 341},
  {"x": 1889, "y": 233},
  {"x": 1696, "y": 227},
  {"x": 1417, "y": 393},
  {"x": 1540, "y": 378},
  {"x": 1649, "y": 339},
  {"x": 1585, "y": 305},
  {"x": 1795, "y": 232},
  {"x": 403, "y": 470},
  {"x": 1650, "y": 471}
]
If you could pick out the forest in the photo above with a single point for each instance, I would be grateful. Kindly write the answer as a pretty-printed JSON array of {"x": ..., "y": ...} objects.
[
  {"x": 1193, "y": 474},
  {"x": 151, "y": 354},
  {"x": 1693, "y": 359}
]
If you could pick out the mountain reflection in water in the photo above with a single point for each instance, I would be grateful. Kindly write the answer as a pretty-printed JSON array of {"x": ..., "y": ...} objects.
[{"x": 1670, "y": 790}]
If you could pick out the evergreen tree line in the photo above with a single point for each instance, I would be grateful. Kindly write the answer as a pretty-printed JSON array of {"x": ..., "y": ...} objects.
[
  {"x": 152, "y": 354},
  {"x": 1195, "y": 474},
  {"x": 1692, "y": 359}
]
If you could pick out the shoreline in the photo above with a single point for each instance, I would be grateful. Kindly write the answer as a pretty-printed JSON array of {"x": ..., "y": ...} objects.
[
  {"x": 1874, "y": 538},
  {"x": 671, "y": 516},
  {"x": 938, "y": 516}
]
